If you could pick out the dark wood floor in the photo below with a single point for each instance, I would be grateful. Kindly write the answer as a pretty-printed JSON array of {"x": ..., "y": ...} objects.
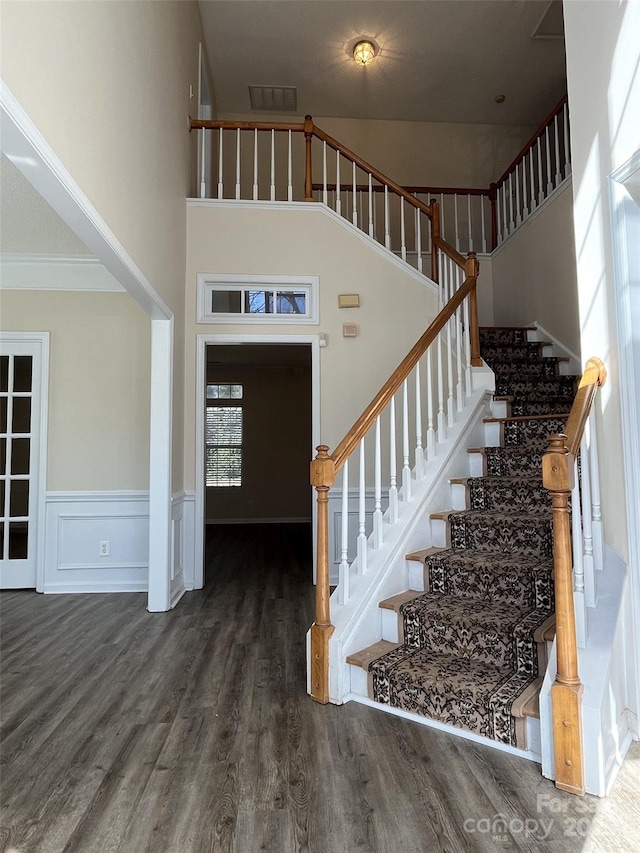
[{"x": 191, "y": 731}]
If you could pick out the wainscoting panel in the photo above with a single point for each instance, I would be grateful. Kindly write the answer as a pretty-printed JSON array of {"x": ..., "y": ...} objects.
[
  {"x": 335, "y": 526},
  {"x": 96, "y": 542},
  {"x": 182, "y": 543}
]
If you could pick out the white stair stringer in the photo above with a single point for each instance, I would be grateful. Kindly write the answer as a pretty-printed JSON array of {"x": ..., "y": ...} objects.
[{"x": 358, "y": 622}]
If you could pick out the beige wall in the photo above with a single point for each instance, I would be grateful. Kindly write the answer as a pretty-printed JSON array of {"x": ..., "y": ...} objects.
[
  {"x": 395, "y": 307},
  {"x": 424, "y": 153},
  {"x": 603, "y": 53},
  {"x": 107, "y": 84},
  {"x": 534, "y": 274},
  {"x": 98, "y": 429}
]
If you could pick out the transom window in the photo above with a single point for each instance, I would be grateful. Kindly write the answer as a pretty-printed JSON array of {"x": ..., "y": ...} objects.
[{"x": 262, "y": 299}]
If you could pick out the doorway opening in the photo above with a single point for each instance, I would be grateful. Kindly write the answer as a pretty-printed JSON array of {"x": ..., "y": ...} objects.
[{"x": 258, "y": 430}]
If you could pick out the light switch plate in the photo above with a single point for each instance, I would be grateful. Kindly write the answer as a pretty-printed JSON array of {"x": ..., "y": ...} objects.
[{"x": 349, "y": 330}]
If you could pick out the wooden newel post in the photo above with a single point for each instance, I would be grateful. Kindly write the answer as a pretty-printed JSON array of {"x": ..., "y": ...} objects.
[
  {"x": 566, "y": 691},
  {"x": 472, "y": 268},
  {"x": 493, "y": 194},
  {"x": 435, "y": 232},
  {"x": 323, "y": 474},
  {"x": 308, "y": 136}
]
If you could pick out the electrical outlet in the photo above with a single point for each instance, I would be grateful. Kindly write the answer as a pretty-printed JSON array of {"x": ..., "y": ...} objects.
[{"x": 105, "y": 548}]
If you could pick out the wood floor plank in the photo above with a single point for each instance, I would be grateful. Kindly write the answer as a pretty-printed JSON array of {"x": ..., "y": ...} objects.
[{"x": 191, "y": 731}]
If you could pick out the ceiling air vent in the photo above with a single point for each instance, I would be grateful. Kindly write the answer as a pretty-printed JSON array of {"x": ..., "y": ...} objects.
[{"x": 273, "y": 99}]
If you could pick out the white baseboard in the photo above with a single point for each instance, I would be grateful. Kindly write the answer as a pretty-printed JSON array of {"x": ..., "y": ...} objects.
[{"x": 75, "y": 525}]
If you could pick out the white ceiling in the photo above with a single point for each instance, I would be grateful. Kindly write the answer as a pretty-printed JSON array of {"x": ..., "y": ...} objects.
[{"x": 439, "y": 60}]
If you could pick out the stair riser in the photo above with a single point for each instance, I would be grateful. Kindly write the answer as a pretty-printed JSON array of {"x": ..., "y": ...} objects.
[
  {"x": 516, "y": 433},
  {"x": 562, "y": 388},
  {"x": 513, "y": 462},
  {"x": 482, "y": 585},
  {"x": 506, "y": 496}
]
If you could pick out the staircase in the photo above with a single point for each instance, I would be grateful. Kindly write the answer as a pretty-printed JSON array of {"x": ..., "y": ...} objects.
[{"x": 467, "y": 646}]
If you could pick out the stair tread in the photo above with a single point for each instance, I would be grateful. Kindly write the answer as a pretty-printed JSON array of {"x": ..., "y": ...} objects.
[
  {"x": 516, "y": 418},
  {"x": 395, "y": 601},
  {"x": 421, "y": 555},
  {"x": 364, "y": 657}
]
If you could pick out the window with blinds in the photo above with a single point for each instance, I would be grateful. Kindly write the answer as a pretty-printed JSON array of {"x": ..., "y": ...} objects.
[{"x": 223, "y": 436}]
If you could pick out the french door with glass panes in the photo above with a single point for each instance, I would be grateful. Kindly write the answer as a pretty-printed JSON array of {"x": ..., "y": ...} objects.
[{"x": 22, "y": 362}]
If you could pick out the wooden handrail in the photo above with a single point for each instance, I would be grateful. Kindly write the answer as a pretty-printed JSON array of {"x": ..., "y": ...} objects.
[
  {"x": 541, "y": 129},
  {"x": 558, "y": 466},
  {"x": 379, "y": 188},
  {"x": 448, "y": 250},
  {"x": 366, "y": 420},
  {"x": 214, "y": 124}
]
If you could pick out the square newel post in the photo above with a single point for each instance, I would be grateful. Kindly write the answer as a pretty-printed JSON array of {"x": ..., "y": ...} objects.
[
  {"x": 323, "y": 474},
  {"x": 471, "y": 270},
  {"x": 308, "y": 180},
  {"x": 435, "y": 235},
  {"x": 566, "y": 691}
]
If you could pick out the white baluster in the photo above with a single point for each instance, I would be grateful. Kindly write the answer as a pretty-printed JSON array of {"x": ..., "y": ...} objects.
[
  {"x": 387, "y": 224},
  {"x": 525, "y": 207},
  {"x": 596, "y": 510},
  {"x": 419, "y": 451},
  {"x": 354, "y": 217},
  {"x": 498, "y": 216},
  {"x": 377, "y": 490},
  {"x": 338, "y": 190},
  {"x": 406, "y": 470},
  {"x": 442, "y": 430},
  {"x": 371, "y": 229},
  {"x": 518, "y": 216},
  {"x": 578, "y": 568},
  {"x": 504, "y": 210},
  {"x": 443, "y": 230},
  {"x": 470, "y": 249},
  {"x": 393, "y": 487},
  {"x": 455, "y": 217},
  {"x": 431, "y": 433},
  {"x": 482, "y": 225},
  {"x": 548, "y": 153},
  {"x": 540, "y": 185},
  {"x": 511, "y": 220},
  {"x": 255, "y": 164},
  {"x": 289, "y": 172},
  {"x": 362, "y": 515},
  {"x": 459, "y": 333},
  {"x": 587, "y": 532},
  {"x": 343, "y": 569},
  {"x": 220, "y": 183},
  {"x": 238, "y": 163},
  {"x": 403, "y": 243},
  {"x": 325, "y": 194},
  {"x": 467, "y": 349},
  {"x": 567, "y": 151},
  {"x": 451, "y": 418},
  {"x": 557, "y": 149},
  {"x": 203, "y": 183},
  {"x": 532, "y": 194},
  {"x": 273, "y": 165},
  {"x": 418, "y": 240}
]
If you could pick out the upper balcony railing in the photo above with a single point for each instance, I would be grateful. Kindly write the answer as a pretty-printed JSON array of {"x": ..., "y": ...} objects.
[{"x": 296, "y": 161}]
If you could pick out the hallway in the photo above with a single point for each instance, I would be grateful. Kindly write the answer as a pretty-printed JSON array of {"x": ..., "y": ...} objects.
[{"x": 192, "y": 731}]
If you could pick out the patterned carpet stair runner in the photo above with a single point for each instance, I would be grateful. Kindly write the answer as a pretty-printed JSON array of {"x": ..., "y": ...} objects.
[{"x": 467, "y": 648}]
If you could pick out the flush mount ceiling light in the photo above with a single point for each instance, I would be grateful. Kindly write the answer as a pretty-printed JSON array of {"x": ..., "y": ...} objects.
[{"x": 364, "y": 52}]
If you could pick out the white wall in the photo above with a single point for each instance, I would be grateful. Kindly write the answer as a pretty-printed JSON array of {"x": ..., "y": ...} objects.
[
  {"x": 603, "y": 51},
  {"x": 395, "y": 309},
  {"x": 99, "y": 371},
  {"x": 534, "y": 273}
]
